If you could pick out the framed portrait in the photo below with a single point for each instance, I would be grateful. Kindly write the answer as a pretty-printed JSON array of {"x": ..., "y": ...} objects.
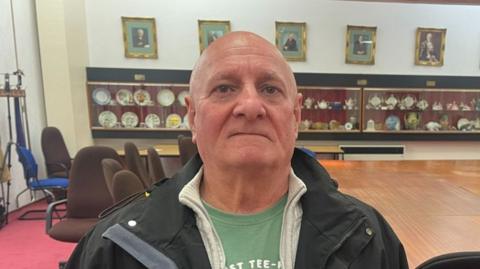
[
  {"x": 430, "y": 46},
  {"x": 361, "y": 43},
  {"x": 291, "y": 40},
  {"x": 139, "y": 37},
  {"x": 209, "y": 31}
]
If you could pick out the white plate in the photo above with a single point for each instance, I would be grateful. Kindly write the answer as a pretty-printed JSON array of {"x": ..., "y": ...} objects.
[
  {"x": 124, "y": 97},
  {"x": 152, "y": 121},
  {"x": 165, "y": 97},
  {"x": 375, "y": 101},
  {"x": 173, "y": 121},
  {"x": 391, "y": 101},
  {"x": 101, "y": 96},
  {"x": 408, "y": 101},
  {"x": 142, "y": 98},
  {"x": 107, "y": 119},
  {"x": 129, "y": 120},
  {"x": 348, "y": 126},
  {"x": 181, "y": 97}
]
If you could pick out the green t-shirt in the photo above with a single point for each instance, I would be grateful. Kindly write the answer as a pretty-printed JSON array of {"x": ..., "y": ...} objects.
[{"x": 250, "y": 241}]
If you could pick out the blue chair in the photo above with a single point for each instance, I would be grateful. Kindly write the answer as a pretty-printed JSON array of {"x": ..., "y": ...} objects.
[{"x": 30, "y": 170}]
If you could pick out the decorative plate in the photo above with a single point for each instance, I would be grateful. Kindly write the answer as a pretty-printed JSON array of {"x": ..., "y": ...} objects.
[
  {"x": 391, "y": 101},
  {"x": 375, "y": 101},
  {"x": 165, "y": 97},
  {"x": 124, "y": 97},
  {"x": 101, "y": 96},
  {"x": 152, "y": 121},
  {"x": 181, "y": 97},
  {"x": 422, "y": 104},
  {"x": 173, "y": 121},
  {"x": 408, "y": 101},
  {"x": 142, "y": 98},
  {"x": 348, "y": 126},
  {"x": 129, "y": 120},
  {"x": 107, "y": 119},
  {"x": 392, "y": 123}
]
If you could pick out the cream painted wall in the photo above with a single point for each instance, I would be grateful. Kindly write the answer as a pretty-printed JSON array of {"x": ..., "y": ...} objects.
[
  {"x": 326, "y": 25},
  {"x": 63, "y": 46},
  {"x": 29, "y": 62}
]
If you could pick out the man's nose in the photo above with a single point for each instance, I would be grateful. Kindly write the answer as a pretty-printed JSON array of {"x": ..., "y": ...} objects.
[{"x": 250, "y": 104}]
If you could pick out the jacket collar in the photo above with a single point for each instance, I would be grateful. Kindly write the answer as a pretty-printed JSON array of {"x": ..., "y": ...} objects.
[{"x": 328, "y": 215}]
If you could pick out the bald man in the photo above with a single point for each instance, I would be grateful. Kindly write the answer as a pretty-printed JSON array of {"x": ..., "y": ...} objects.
[{"x": 249, "y": 199}]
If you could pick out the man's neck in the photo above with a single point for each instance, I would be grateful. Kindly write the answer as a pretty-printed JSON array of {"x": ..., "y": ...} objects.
[{"x": 243, "y": 192}]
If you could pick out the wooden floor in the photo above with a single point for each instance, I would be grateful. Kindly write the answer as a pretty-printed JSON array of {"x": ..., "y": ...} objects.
[{"x": 433, "y": 206}]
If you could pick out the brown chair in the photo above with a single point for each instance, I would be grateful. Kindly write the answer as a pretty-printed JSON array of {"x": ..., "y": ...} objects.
[
  {"x": 135, "y": 164},
  {"x": 155, "y": 167},
  {"x": 186, "y": 148},
  {"x": 125, "y": 184},
  {"x": 110, "y": 167},
  {"x": 57, "y": 159},
  {"x": 87, "y": 195}
]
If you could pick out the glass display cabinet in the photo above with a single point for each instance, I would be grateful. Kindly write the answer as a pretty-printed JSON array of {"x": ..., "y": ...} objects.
[
  {"x": 137, "y": 106},
  {"x": 330, "y": 109},
  {"x": 421, "y": 110},
  {"x": 150, "y": 103}
]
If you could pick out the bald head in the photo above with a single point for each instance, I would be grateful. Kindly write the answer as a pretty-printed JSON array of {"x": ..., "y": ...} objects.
[{"x": 238, "y": 44}]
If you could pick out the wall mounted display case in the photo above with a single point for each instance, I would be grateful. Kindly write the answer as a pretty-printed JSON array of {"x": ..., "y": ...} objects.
[
  {"x": 148, "y": 103},
  {"x": 421, "y": 110},
  {"x": 330, "y": 109},
  {"x": 116, "y": 106}
]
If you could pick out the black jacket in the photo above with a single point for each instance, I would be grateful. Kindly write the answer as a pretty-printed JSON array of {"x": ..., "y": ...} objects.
[{"x": 337, "y": 231}]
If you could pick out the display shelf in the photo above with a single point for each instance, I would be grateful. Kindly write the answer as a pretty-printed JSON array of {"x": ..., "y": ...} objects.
[
  {"x": 330, "y": 109},
  {"x": 345, "y": 99},
  {"x": 421, "y": 110},
  {"x": 131, "y": 106}
]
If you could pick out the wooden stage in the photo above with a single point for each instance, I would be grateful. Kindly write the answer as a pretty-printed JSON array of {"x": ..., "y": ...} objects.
[{"x": 433, "y": 206}]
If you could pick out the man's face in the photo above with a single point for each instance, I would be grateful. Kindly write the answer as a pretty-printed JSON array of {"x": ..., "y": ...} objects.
[{"x": 244, "y": 109}]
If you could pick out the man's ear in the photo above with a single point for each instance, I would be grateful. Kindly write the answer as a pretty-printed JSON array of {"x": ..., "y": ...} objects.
[
  {"x": 298, "y": 107},
  {"x": 191, "y": 117},
  {"x": 297, "y": 110}
]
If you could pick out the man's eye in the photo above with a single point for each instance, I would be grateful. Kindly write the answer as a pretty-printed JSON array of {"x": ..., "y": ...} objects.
[
  {"x": 270, "y": 90},
  {"x": 224, "y": 89}
]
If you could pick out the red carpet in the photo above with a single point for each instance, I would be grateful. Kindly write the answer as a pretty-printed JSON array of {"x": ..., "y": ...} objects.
[{"x": 24, "y": 243}]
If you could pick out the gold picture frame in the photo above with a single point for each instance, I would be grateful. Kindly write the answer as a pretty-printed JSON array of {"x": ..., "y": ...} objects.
[
  {"x": 291, "y": 40},
  {"x": 140, "y": 37},
  {"x": 210, "y": 30},
  {"x": 361, "y": 43},
  {"x": 430, "y": 46}
]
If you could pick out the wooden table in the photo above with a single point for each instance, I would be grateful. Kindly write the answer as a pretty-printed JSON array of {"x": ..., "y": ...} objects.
[
  {"x": 433, "y": 206},
  {"x": 170, "y": 150},
  {"x": 335, "y": 151}
]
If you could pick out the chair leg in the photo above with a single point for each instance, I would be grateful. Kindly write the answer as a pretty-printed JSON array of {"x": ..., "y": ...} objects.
[
  {"x": 62, "y": 265},
  {"x": 18, "y": 195}
]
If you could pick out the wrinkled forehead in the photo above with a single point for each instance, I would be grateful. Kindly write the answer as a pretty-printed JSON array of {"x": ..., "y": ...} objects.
[{"x": 236, "y": 47}]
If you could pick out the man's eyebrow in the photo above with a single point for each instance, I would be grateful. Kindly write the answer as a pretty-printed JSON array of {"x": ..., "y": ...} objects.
[
  {"x": 224, "y": 75},
  {"x": 269, "y": 76}
]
